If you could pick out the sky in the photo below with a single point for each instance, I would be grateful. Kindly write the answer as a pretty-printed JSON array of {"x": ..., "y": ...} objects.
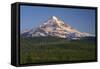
[{"x": 81, "y": 19}]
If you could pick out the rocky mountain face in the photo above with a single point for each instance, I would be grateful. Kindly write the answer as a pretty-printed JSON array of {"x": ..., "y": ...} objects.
[{"x": 55, "y": 27}]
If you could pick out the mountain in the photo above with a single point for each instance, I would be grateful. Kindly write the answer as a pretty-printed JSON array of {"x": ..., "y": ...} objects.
[{"x": 55, "y": 27}]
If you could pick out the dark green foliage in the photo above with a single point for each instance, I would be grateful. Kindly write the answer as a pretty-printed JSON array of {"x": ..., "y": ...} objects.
[{"x": 50, "y": 49}]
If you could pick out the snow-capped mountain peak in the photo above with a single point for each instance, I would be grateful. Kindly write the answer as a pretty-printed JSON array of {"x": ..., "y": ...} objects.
[
  {"x": 54, "y": 17},
  {"x": 55, "y": 27}
]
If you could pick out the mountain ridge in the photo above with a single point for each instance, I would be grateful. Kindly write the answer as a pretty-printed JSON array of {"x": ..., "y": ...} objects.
[{"x": 55, "y": 27}]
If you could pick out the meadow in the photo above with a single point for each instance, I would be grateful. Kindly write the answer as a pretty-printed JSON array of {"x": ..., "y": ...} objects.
[{"x": 50, "y": 49}]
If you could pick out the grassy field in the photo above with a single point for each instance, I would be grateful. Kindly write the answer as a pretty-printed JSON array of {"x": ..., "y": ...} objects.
[{"x": 48, "y": 49}]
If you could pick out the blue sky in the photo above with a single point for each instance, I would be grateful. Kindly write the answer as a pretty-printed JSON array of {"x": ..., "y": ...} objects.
[{"x": 81, "y": 19}]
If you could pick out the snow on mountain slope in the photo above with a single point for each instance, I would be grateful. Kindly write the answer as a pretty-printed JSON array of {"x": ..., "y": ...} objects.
[{"x": 55, "y": 27}]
